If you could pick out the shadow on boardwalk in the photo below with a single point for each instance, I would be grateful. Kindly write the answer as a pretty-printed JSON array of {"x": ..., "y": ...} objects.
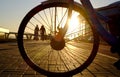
[{"x": 12, "y": 64}]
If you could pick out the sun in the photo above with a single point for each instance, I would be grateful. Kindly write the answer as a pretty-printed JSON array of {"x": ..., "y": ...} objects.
[{"x": 73, "y": 23}]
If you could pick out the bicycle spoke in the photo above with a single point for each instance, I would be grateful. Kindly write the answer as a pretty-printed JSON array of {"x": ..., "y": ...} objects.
[
  {"x": 63, "y": 18},
  {"x": 53, "y": 56}
]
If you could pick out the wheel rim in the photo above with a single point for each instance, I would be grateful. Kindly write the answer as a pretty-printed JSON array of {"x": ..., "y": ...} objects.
[{"x": 61, "y": 64}]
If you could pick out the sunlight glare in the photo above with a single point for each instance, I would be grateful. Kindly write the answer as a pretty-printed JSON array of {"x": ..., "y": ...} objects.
[
  {"x": 4, "y": 30},
  {"x": 74, "y": 22}
]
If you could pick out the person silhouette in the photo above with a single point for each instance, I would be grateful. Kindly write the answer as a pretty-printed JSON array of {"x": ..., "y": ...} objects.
[
  {"x": 36, "y": 33},
  {"x": 42, "y": 32}
]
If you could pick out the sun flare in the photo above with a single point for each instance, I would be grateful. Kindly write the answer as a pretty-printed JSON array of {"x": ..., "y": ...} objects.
[{"x": 73, "y": 23}]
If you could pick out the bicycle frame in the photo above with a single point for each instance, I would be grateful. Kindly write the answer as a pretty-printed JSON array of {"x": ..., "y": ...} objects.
[
  {"x": 110, "y": 39},
  {"x": 91, "y": 14}
]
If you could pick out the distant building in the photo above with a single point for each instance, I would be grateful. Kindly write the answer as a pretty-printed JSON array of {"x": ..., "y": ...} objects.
[{"x": 112, "y": 11}]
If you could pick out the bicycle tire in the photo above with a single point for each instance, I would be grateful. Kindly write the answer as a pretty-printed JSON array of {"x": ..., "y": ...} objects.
[{"x": 22, "y": 49}]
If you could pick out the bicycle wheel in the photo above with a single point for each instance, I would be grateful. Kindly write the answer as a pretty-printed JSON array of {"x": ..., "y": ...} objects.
[{"x": 77, "y": 50}]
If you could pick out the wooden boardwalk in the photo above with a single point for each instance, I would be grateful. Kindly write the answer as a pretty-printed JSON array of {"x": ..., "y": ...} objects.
[{"x": 12, "y": 64}]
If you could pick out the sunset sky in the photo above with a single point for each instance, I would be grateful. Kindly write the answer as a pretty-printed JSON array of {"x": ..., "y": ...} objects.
[{"x": 13, "y": 11}]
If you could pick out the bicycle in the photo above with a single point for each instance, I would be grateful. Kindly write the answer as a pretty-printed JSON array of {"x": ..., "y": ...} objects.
[{"x": 56, "y": 56}]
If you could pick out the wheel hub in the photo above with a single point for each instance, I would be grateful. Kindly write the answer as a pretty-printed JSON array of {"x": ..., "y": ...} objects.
[{"x": 57, "y": 45}]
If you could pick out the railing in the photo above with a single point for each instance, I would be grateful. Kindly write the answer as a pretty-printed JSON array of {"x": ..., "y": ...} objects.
[
  {"x": 81, "y": 34},
  {"x": 28, "y": 35}
]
